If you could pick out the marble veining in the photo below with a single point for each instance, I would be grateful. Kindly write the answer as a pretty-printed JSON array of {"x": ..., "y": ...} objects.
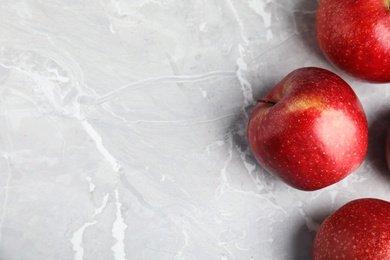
[{"x": 123, "y": 130}]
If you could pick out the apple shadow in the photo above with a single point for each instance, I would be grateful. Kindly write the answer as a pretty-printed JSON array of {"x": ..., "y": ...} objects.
[
  {"x": 238, "y": 132},
  {"x": 301, "y": 246},
  {"x": 238, "y": 129},
  {"x": 304, "y": 16},
  {"x": 377, "y": 134},
  {"x": 302, "y": 243}
]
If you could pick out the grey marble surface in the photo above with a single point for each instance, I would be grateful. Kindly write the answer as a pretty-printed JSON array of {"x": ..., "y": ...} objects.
[{"x": 123, "y": 130}]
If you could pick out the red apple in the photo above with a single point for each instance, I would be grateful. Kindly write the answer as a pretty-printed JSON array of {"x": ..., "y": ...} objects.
[
  {"x": 354, "y": 35},
  {"x": 358, "y": 230},
  {"x": 310, "y": 130}
]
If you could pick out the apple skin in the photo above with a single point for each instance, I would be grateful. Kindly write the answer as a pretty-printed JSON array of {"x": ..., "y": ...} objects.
[
  {"x": 314, "y": 133},
  {"x": 358, "y": 230},
  {"x": 354, "y": 36}
]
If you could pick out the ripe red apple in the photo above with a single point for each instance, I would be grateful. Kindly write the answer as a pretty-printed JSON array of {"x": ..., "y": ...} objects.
[
  {"x": 358, "y": 230},
  {"x": 354, "y": 35},
  {"x": 310, "y": 130}
]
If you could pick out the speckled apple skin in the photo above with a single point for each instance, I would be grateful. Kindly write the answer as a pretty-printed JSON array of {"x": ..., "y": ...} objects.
[
  {"x": 358, "y": 230},
  {"x": 315, "y": 135},
  {"x": 354, "y": 35}
]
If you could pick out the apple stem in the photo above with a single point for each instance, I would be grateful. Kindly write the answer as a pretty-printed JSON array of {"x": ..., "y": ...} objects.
[{"x": 265, "y": 101}]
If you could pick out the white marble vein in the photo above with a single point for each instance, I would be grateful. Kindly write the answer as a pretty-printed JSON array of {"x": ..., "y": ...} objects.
[
  {"x": 77, "y": 237},
  {"x": 118, "y": 230}
]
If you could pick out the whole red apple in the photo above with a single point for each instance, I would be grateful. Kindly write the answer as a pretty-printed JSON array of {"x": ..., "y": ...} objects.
[
  {"x": 354, "y": 35},
  {"x": 358, "y": 230},
  {"x": 310, "y": 130}
]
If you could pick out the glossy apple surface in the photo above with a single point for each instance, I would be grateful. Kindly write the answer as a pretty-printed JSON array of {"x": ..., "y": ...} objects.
[
  {"x": 354, "y": 35},
  {"x": 312, "y": 131},
  {"x": 358, "y": 230}
]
